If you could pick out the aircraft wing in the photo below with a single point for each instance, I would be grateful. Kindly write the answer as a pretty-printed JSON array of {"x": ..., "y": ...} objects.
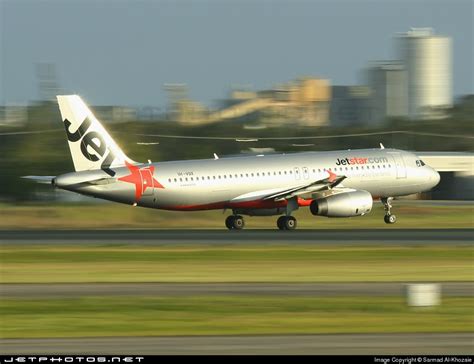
[{"x": 281, "y": 194}]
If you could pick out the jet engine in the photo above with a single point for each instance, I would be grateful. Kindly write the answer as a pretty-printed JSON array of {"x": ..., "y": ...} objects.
[{"x": 344, "y": 204}]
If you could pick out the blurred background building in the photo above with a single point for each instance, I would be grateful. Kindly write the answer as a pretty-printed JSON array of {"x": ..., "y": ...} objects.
[
  {"x": 427, "y": 59},
  {"x": 388, "y": 82},
  {"x": 418, "y": 85},
  {"x": 351, "y": 105},
  {"x": 304, "y": 102}
]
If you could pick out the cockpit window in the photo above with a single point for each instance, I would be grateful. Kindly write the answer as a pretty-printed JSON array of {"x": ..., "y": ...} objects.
[{"x": 420, "y": 163}]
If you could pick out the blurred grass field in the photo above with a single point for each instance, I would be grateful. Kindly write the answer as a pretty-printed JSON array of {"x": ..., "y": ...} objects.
[
  {"x": 411, "y": 214},
  {"x": 243, "y": 315},
  {"x": 122, "y": 262}
]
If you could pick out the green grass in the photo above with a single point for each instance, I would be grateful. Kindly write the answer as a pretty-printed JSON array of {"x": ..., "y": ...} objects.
[
  {"x": 250, "y": 263},
  {"x": 154, "y": 316},
  {"x": 410, "y": 214}
]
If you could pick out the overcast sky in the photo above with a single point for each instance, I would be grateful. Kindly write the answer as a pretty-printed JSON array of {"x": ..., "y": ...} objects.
[{"x": 123, "y": 52}]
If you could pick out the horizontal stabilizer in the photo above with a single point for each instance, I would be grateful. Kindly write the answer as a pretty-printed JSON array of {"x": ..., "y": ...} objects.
[{"x": 40, "y": 179}]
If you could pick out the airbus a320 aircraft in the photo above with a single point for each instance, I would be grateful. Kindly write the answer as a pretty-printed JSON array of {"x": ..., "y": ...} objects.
[{"x": 333, "y": 184}]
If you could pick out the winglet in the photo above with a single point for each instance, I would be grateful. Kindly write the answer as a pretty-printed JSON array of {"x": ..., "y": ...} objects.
[
  {"x": 332, "y": 175},
  {"x": 381, "y": 146},
  {"x": 216, "y": 156}
]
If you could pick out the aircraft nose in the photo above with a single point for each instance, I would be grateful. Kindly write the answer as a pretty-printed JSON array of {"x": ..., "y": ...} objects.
[{"x": 435, "y": 177}]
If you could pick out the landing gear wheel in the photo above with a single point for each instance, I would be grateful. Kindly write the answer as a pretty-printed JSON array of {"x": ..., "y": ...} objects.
[
  {"x": 229, "y": 222},
  {"x": 238, "y": 223},
  {"x": 290, "y": 223},
  {"x": 281, "y": 222},
  {"x": 390, "y": 219},
  {"x": 286, "y": 223}
]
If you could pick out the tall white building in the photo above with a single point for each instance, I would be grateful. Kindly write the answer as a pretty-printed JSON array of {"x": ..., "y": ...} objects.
[{"x": 428, "y": 62}]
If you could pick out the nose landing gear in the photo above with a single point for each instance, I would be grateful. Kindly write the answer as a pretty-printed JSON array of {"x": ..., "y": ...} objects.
[{"x": 388, "y": 218}]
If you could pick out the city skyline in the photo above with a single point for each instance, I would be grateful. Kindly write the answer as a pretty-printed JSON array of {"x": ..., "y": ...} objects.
[{"x": 122, "y": 53}]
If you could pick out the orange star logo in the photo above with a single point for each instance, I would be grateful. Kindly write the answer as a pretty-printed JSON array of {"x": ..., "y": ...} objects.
[
  {"x": 142, "y": 178},
  {"x": 332, "y": 176}
]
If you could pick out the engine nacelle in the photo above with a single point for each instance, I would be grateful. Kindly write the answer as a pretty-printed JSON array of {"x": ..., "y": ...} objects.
[{"x": 345, "y": 204}]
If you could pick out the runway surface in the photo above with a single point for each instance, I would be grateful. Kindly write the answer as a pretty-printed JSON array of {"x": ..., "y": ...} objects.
[
  {"x": 381, "y": 344},
  {"x": 216, "y": 237},
  {"x": 186, "y": 289}
]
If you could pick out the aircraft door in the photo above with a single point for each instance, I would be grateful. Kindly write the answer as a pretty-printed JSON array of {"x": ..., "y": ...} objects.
[
  {"x": 147, "y": 182},
  {"x": 305, "y": 173},
  {"x": 296, "y": 171},
  {"x": 400, "y": 165}
]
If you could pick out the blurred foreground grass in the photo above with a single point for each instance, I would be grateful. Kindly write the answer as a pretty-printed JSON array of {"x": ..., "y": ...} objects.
[
  {"x": 411, "y": 214},
  {"x": 154, "y": 316},
  {"x": 250, "y": 263}
]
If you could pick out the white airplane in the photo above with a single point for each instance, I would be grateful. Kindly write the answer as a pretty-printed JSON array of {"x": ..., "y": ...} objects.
[{"x": 333, "y": 184}]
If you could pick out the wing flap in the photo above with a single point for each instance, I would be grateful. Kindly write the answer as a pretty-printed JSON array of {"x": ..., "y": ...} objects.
[{"x": 324, "y": 184}]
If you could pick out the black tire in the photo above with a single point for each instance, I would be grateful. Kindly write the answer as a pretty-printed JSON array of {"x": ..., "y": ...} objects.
[
  {"x": 290, "y": 223},
  {"x": 229, "y": 222},
  {"x": 238, "y": 223},
  {"x": 281, "y": 222},
  {"x": 390, "y": 219}
]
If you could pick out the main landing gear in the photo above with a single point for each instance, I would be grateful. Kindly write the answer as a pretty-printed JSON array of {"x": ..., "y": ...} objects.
[
  {"x": 235, "y": 222},
  {"x": 388, "y": 218},
  {"x": 286, "y": 223}
]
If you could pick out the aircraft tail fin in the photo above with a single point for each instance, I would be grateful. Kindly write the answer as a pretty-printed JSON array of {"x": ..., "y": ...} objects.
[{"x": 90, "y": 144}]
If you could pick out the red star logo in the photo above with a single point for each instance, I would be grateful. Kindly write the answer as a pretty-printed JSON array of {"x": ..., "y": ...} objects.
[{"x": 142, "y": 178}]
